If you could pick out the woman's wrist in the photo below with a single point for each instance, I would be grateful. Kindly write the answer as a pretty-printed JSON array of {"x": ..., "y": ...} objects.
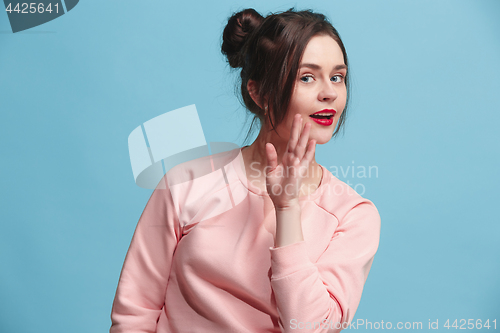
[
  {"x": 288, "y": 225},
  {"x": 291, "y": 205}
]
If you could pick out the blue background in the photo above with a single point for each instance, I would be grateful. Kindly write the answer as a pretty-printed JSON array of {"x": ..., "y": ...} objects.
[{"x": 425, "y": 112}]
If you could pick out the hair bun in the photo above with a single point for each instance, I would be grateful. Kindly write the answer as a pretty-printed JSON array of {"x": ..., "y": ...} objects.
[{"x": 236, "y": 32}]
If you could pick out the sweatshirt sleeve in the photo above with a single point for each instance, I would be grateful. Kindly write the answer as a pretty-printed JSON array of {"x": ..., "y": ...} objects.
[
  {"x": 140, "y": 293},
  {"x": 321, "y": 296}
]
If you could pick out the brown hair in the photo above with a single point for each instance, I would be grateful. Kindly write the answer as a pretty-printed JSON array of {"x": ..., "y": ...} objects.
[{"x": 269, "y": 50}]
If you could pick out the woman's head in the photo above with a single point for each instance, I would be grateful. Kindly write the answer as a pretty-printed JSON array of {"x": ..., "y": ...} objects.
[{"x": 269, "y": 52}]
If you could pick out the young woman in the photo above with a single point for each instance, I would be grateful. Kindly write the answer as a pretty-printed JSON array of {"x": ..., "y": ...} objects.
[{"x": 262, "y": 238}]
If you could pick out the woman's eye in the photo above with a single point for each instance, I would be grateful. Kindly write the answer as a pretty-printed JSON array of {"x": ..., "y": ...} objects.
[
  {"x": 341, "y": 78},
  {"x": 335, "y": 78},
  {"x": 306, "y": 78}
]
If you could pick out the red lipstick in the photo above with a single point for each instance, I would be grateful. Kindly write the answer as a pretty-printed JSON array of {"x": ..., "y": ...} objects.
[{"x": 324, "y": 117}]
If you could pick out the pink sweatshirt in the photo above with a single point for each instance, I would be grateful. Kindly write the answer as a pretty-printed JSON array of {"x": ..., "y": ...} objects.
[{"x": 202, "y": 257}]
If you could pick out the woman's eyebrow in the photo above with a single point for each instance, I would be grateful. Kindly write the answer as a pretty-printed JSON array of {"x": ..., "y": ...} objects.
[{"x": 314, "y": 66}]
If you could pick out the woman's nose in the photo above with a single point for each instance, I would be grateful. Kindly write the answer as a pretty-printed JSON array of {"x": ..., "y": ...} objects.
[{"x": 327, "y": 92}]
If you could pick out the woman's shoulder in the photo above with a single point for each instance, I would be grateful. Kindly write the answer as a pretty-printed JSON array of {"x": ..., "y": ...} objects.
[
  {"x": 196, "y": 169},
  {"x": 196, "y": 183},
  {"x": 339, "y": 198}
]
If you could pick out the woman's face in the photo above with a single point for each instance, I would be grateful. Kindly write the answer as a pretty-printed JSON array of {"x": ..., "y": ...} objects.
[{"x": 319, "y": 87}]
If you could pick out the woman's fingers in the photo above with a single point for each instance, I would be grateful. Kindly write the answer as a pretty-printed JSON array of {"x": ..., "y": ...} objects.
[
  {"x": 311, "y": 147},
  {"x": 299, "y": 137},
  {"x": 294, "y": 164},
  {"x": 272, "y": 156},
  {"x": 299, "y": 151},
  {"x": 294, "y": 133},
  {"x": 302, "y": 144}
]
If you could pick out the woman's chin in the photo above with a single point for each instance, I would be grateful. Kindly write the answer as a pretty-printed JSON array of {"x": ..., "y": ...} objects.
[{"x": 322, "y": 138}]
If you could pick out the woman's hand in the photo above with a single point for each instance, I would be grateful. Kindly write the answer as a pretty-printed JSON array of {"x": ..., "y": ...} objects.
[{"x": 283, "y": 180}]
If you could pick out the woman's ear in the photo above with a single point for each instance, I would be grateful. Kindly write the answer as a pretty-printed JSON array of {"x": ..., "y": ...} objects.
[{"x": 253, "y": 89}]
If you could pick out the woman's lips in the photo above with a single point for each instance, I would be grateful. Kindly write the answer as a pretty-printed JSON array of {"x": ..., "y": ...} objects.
[
  {"x": 326, "y": 120},
  {"x": 326, "y": 111}
]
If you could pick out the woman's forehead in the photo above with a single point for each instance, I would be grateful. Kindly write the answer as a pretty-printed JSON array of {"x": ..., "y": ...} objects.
[{"x": 322, "y": 50}]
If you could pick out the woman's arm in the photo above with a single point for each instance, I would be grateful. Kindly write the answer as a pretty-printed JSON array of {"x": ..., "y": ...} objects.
[
  {"x": 321, "y": 296},
  {"x": 140, "y": 294}
]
